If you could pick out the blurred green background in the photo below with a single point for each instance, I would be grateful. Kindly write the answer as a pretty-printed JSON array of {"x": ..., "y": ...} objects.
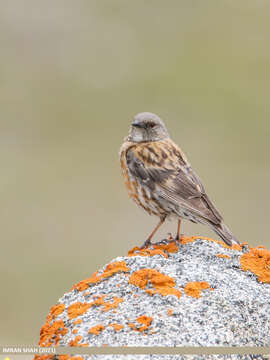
[{"x": 72, "y": 76}]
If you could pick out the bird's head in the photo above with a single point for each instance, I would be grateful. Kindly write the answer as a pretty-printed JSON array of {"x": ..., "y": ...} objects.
[{"x": 146, "y": 127}]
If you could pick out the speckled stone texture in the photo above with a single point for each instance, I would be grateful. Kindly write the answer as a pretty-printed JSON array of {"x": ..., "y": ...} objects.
[
  {"x": 170, "y": 357},
  {"x": 192, "y": 294}
]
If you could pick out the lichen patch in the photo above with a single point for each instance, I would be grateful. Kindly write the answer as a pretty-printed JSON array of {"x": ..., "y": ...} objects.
[
  {"x": 136, "y": 251},
  {"x": 51, "y": 334},
  {"x": 84, "y": 284},
  {"x": 80, "y": 308},
  {"x": 162, "y": 284},
  {"x": 258, "y": 262},
  {"x": 144, "y": 321},
  {"x": 57, "y": 310},
  {"x": 76, "y": 342},
  {"x": 77, "y": 309},
  {"x": 160, "y": 249},
  {"x": 171, "y": 247},
  {"x": 109, "y": 306},
  {"x": 115, "y": 267},
  {"x": 117, "y": 327},
  {"x": 111, "y": 269},
  {"x": 223, "y": 256},
  {"x": 99, "y": 300},
  {"x": 96, "y": 330},
  {"x": 194, "y": 288}
]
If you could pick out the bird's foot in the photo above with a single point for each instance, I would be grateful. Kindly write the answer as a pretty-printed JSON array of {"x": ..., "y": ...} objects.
[
  {"x": 169, "y": 240},
  {"x": 146, "y": 244},
  {"x": 178, "y": 238},
  {"x": 162, "y": 242}
]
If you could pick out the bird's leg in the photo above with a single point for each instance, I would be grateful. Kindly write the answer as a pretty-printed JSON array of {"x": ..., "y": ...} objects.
[
  {"x": 177, "y": 238},
  {"x": 148, "y": 241}
]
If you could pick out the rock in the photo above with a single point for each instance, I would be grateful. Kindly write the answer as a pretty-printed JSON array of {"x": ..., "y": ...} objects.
[{"x": 198, "y": 292}]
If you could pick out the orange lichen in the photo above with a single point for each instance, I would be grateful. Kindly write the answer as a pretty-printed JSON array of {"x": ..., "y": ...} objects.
[
  {"x": 132, "y": 326},
  {"x": 77, "y": 322},
  {"x": 77, "y": 309},
  {"x": 258, "y": 262},
  {"x": 76, "y": 341},
  {"x": 51, "y": 334},
  {"x": 98, "y": 301},
  {"x": 237, "y": 247},
  {"x": 194, "y": 288},
  {"x": 59, "y": 357},
  {"x": 161, "y": 249},
  {"x": 156, "y": 251},
  {"x": 163, "y": 284},
  {"x": 133, "y": 250},
  {"x": 75, "y": 331},
  {"x": 115, "y": 267},
  {"x": 84, "y": 284},
  {"x": 146, "y": 252},
  {"x": 96, "y": 330},
  {"x": 170, "y": 312},
  {"x": 223, "y": 256},
  {"x": 111, "y": 269},
  {"x": 185, "y": 240},
  {"x": 108, "y": 306},
  {"x": 170, "y": 247},
  {"x": 117, "y": 327},
  {"x": 57, "y": 310},
  {"x": 144, "y": 320},
  {"x": 63, "y": 357},
  {"x": 164, "y": 292}
]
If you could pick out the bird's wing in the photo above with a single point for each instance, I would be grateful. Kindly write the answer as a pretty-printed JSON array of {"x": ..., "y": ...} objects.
[{"x": 162, "y": 167}]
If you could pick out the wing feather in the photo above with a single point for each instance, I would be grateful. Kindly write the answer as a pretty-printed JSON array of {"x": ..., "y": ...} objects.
[{"x": 171, "y": 177}]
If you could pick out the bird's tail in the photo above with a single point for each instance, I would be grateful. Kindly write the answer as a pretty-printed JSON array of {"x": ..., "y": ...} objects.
[{"x": 226, "y": 235}]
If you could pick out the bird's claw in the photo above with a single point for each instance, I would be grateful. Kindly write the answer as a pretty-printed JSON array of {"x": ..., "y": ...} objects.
[
  {"x": 178, "y": 238},
  {"x": 146, "y": 244}
]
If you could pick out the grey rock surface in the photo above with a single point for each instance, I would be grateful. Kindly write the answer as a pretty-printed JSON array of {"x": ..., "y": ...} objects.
[
  {"x": 233, "y": 309},
  {"x": 173, "y": 357}
]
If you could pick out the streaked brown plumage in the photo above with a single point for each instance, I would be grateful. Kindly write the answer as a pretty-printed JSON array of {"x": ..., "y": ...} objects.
[{"x": 160, "y": 179}]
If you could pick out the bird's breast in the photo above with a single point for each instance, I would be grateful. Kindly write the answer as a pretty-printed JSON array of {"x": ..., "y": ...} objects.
[{"x": 139, "y": 192}]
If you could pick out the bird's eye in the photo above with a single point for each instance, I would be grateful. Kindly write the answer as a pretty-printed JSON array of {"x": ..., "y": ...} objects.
[{"x": 151, "y": 124}]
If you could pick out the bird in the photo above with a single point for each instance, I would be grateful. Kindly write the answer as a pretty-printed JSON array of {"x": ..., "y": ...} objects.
[{"x": 160, "y": 179}]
